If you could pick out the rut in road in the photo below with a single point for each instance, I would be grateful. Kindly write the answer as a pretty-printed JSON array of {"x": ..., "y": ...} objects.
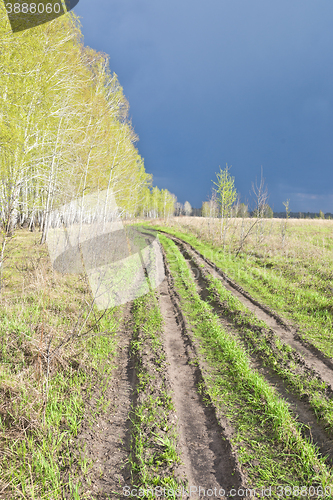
[
  {"x": 206, "y": 452},
  {"x": 107, "y": 442},
  {"x": 301, "y": 409},
  {"x": 313, "y": 358}
]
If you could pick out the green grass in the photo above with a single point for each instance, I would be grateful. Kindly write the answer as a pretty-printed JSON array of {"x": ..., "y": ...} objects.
[
  {"x": 40, "y": 416},
  {"x": 295, "y": 288},
  {"x": 153, "y": 440},
  {"x": 267, "y": 438},
  {"x": 280, "y": 357},
  {"x": 36, "y": 461}
]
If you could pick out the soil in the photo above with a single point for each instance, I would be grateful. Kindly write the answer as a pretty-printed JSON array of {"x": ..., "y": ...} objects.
[
  {"x": 208, "y": 458},
  {"x": 107, "y": 442},
  {"x": 308, "y": 363},
  {"x": 313, "y": 359},
  {"x": 204, "y": 436}
]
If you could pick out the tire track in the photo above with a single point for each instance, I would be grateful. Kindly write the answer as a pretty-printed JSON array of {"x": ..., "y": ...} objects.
[
  {"x": 107, "y": 439},
  {"x": 209, "y": 460},
  {"x": 301, "y": 409},
  {"x": 313, "y": 358}
]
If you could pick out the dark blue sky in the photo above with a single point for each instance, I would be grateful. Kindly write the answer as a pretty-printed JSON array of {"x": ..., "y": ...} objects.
[{"x": 210, "y": 82}]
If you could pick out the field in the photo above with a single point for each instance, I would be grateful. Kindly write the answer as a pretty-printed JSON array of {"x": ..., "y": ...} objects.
[{"x": 218, "y": 383}]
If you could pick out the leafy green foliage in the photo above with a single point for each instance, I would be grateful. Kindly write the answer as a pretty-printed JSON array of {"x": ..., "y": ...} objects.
[
  {"x": 64, "y": 126},
  {"x": 226, "y": 196}
]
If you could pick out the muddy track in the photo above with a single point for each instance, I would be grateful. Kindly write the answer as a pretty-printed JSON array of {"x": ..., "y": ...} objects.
[
  {"x": 208, "y": 458},
  {"x": 204, "y": 435},
  {"x": 301, "y": 409},
  {"x": 107, "y": 439},
  {"x": 313, "y": 358}
]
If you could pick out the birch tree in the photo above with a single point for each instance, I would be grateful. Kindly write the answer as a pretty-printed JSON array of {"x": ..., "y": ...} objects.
[
  {"x": 187, "y": 208},
  {"x": 226, "y": 195},
  {"x": 64, "y": 129}
]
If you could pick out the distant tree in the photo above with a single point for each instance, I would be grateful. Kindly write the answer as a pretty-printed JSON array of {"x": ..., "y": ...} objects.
[
  {"x": 168, "y": 203},
  {"x": 242, "y": 210},
  {"x": 226, "y": 196},
  {"x": 260, "y": 193},
  {"x": 213, "y": 206},
  {"x": 321, "y": 215},
  {"x": 268, "y": 212},
  {"x": 210, "y": 210},
  {"x": 286, "y": 205},
  {"x": 179, "y": 208},
  {"x": 205, "y": 209},
  {"x": 187, "y": 208},
  {"x": 285, "y": 222},
  {"x": 265, "y": 212}
]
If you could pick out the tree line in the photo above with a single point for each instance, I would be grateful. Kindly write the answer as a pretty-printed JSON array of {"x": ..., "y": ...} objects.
[{"x": 65, "y": 130}]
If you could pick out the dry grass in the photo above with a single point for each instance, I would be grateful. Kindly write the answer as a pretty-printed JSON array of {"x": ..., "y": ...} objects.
[
  {"x": 286, "y": 264},
  {"x": 38, "y": 307},
  {"x": 306, "y": 239},
  {"x": 47, "y": 367}
]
